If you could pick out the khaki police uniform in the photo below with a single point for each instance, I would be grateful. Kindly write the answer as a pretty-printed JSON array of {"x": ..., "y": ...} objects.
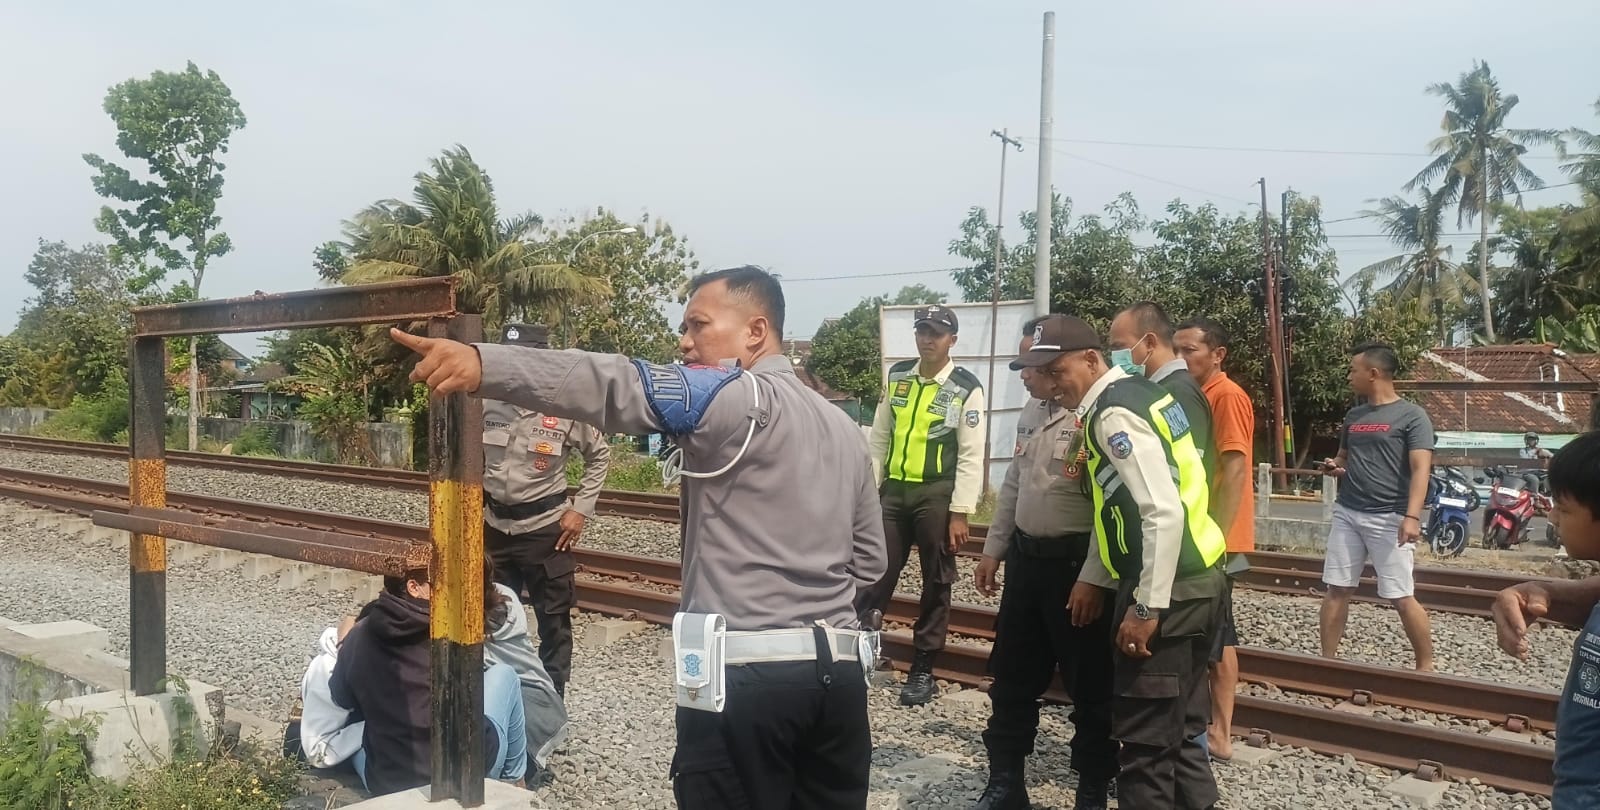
[
  {"x": 1158, "y": 541},
  {"x": 524, "y": 496},
  {"x": 1043, "y": 529},
  {"x": 785, "y": 538}
]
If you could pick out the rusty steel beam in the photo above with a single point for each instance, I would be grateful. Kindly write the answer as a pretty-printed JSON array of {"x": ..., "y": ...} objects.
[
  {"x": 334, "y": 551},
  {"x": 147, "y": 486},
  {"x": 388, "y": 302},
  {"x": 455, "y": 520},
  {"x": 1501, "y": 386}
]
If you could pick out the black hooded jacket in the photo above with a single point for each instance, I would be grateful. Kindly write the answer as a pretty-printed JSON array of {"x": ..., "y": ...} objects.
[{"x": 382, "y": 675}]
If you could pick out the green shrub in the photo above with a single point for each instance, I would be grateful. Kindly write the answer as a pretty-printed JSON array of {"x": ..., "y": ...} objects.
[
  {"x": 256, "y": 440},
  {"x": 43, "y": 765},
  {"x": 629, "y": 472},
  {"x": 98, "y": 418}
]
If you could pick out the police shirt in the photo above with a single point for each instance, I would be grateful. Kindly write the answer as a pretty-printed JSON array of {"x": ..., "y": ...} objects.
[
  {"x": 785, "y": 537},
  {"x": 525, "y": 459},
  {"x": 1577, "y": 770},
  {"x": 962, "y": 411}
]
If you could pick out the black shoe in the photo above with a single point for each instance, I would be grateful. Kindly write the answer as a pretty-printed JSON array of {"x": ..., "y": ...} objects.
[
  {"x": 919, "y": 688},
  {"x": 1092, "y": 795},
  {"x": 1005, "y": 791}
]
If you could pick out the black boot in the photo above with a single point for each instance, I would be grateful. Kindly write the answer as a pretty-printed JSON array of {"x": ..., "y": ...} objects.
[
  {"x": 1006, "y": 790},
  {"x": 1092, "y": 794},
  {"x": 919, "y": 688}
]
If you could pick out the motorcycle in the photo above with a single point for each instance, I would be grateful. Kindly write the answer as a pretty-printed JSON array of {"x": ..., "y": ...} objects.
[
  {"x": 1543, "y": 503},
  {"x": 1509, "y": 517},
  {"x": 1448, "y": 506},
  {"x": 1461, "y": 485}
]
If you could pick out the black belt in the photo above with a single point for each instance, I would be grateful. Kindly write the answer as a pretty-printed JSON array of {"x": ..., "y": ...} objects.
[
  {"x": 1072, "y": 545},
  {"x": 523, "y": 511}
]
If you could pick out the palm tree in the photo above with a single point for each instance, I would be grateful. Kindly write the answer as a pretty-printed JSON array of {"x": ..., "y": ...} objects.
[
  {"x": 1479, "y": 158},
  {"x": 1424, "y": 272},
  {"x": 452, "y": 227}
]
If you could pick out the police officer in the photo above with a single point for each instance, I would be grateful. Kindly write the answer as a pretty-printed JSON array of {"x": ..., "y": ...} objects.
[
  {"x": 1157, "y": 540},
  {"x": 1142, "y": 344},
  {"x": 781, "y": 530},
  {"x": 1042, "y": 529},
  {"x": 927, "y": 441},
  {"x": 529, "y": 523}
]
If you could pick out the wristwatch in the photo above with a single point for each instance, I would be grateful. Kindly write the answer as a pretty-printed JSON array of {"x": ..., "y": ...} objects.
[{"x": 1143, "y": 612}]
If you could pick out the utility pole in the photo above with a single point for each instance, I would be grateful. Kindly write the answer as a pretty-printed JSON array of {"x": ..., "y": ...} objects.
[
  {"x": 1288, "y": 337},
  {"x": 1041, "y": 236},
  {"x": 1274, "y": 335},
  {"x": 994, "y": 297}
]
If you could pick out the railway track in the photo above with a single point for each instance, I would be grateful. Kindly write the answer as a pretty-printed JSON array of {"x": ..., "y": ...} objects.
[{"x": 1454, "y": 590}]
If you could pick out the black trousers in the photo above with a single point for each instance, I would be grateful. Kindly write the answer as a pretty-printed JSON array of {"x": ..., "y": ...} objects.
[
  {"x": 785, "y": 740},
  {"x": 1034, "y": 638},
  {"x": 918, "y": 516},
  {"x": 1161, "y": 707},
  {"x": 530, "y": 561}
]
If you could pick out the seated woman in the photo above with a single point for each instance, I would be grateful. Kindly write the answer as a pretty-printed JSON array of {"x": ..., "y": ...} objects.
[
  {"x": 327, "y": 735},
  {"x": 507, "y": 642},
  {"x": 382, "y": 676}
]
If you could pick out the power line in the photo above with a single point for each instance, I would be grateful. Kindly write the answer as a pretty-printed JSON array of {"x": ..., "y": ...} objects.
[
  {"x": 944, "y": 270},
  {"x": 1354, "y": 217},
  {"x": 1268, "y": 149},
  {"x": 1151, "y": 178}
]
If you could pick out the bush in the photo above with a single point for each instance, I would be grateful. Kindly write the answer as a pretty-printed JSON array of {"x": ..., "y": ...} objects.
[
  {"x": 97, "y": 418},
  {"x": 628, "y": 472},
  {"x": 43, "y": 765},
  {"x": 256, "y": 440}
]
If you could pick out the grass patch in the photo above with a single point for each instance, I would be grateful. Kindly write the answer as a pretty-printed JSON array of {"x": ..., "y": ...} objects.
[{"x": 630, "y": 472}]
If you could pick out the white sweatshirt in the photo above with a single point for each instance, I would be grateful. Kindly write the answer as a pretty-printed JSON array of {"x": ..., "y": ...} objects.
[{"x": 326, "y": 733}]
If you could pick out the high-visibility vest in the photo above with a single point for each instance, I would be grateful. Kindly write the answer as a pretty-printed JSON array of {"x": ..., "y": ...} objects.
[
  {"x": 927, "y": 416},
  {"x": 1117, "y": 521}
]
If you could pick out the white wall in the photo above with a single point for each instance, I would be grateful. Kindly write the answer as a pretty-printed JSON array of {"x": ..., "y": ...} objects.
[{"x": 1006, "y": 396}]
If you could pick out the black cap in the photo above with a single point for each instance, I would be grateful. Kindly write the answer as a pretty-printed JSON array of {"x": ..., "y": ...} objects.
[
  {"x": 536, "y": 335},
  {"x": 1054, "y": 336},
  {"x": 939, "y": 316}
]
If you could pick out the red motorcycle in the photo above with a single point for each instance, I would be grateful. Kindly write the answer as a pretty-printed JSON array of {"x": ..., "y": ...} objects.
[{"x": 1510, "y": 513}]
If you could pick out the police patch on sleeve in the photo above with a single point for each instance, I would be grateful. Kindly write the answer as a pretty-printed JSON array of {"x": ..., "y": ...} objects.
[
  {"x": 680, "y": 395},
  {"x": 972, "y": 418},
  {"x": 1120, "y": 445}
]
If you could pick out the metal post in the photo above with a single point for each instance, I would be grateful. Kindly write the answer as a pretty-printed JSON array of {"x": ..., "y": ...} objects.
[
  {"x": 1274, "y": 335},
  {"x": 994, "y": 292},
  {"x": 455, "y": 520},
  {"x": 1041, "y": 236},
  {"x": 147, "y": 486},
  {"x": 1288, "y": 336}
]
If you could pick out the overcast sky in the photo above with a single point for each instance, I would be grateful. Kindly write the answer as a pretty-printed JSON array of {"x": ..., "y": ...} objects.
[{"x": 822, "y": 139}]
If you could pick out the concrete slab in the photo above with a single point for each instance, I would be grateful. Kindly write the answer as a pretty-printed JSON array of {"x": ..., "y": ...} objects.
[
  {"x": 967, "y": 697},
  {"x": 1513, "y": 736},
  {"x": 257, "y": 566},
  {"x": 338, "y": 579},
  {"x": 80, "y": 526},
  {"x": 130, "y": 730},
  {"x": 665, "y": 651},
  {"x": 367, "y": 588},
  {"x": 496, "y": 796},
  {"x": 1417, "y": 792},
  {"x": 224, "y": 558},
  {"x": 71, "y": 634},
  {"x": 297, "y": 575},
  {"x": 1249, "y": 756},
  {"x": 610, "y": 631}
]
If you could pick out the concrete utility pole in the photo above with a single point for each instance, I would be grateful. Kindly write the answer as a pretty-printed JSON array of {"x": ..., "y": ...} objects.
[
  {"x": 1041, "y": 237},
  {"x": 994, "y": 296},
  {"x": 1269, "y": 279}
]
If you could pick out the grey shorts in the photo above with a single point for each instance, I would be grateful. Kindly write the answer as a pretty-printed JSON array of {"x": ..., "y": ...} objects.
[{"x": 1358, "y": 537}]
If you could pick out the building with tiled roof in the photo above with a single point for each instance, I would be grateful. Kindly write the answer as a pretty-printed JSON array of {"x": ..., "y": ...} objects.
[{"x": 1508, "y": 412}]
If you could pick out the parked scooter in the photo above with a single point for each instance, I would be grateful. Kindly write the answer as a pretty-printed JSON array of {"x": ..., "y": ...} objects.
[
  {"x": 1509, "y": 515},
  {"x": 1448, "y": 507},
  {"x": 1461, "y": 484}
]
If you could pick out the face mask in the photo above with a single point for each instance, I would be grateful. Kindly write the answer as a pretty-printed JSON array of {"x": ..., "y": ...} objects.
[{"x": 1123, "y": 359}]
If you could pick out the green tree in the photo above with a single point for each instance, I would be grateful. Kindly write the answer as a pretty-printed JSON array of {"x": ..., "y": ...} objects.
[
  {"x": 1546, "y": 273},
  {"x": 331, "y": 262},
  {"x": 79, "y": 312},
  {"x": 846, "y": 352},
  {"x": 643, "y": 268},
  {"x": 1423, "y": 272},
  {"x": 1579, "y": 334},
  {"x": 179, "y": 125},
  {"x": 453, "y": 227},
  {"x": 333, "y": 382},
  {"x": 1479, "y": 159}
]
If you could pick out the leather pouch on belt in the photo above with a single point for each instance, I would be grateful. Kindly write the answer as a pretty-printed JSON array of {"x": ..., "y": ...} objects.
[{"x": 699, "y": 645}]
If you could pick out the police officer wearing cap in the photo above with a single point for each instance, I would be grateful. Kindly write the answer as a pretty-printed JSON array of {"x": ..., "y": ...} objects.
[
  {"x": 927, "y": 441},
  {"x": 781, "y": 530},
  {"x": 1043, "y": 531},
  {"x": 1156, "y": 539},
  {"x": 530, "y": 525}
]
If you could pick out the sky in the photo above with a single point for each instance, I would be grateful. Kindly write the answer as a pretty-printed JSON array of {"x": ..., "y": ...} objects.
[{"x": 839, "y": 144}]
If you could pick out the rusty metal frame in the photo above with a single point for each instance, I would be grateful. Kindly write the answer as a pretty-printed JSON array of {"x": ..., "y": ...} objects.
[{"x": 455, "y": 514}]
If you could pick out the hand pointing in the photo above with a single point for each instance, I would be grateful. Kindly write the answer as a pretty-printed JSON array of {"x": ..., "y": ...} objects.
[{"x": 447, "y": 366}]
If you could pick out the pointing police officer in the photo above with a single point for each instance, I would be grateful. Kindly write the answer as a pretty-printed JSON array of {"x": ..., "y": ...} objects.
[
  {"x": 530, "y": 525},
  {"x": 1157, "y": 540},
  {"x": 771, "y": 569},
  {"x": 927, "y": 445},
  {"x": 1043, "y": 530}
]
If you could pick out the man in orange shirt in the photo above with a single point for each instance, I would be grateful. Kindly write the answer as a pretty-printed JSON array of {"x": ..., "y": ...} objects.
[{"x": 1203, "y": 344}]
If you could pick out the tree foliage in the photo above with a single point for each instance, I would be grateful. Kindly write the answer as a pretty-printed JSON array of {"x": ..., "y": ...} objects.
[
  {"x": 845, "y": 352},
  {"x": 333, "y": 382},
  {"x": 1424, "y": 272}
]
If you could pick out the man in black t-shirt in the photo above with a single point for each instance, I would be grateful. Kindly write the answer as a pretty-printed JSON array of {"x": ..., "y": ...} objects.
[{"x": 1385, "y": 457}]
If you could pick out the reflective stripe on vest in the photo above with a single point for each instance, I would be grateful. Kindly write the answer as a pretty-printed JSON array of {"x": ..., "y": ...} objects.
[
  {"x": 1117, "y": 524},
  {"x": 926, "y": 415}
]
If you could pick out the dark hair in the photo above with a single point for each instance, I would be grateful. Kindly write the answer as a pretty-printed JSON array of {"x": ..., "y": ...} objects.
[
  {"x": 1575, "y": 472},
  {"x": 397, "y": 585},
  {"x": 1380, "y": 356},
  {"x": 1150, "y": 317},
  {"x": 1210, "y": 331},
  {"x": 1027, "y": 328},
  {"x": 753, "y": 284}
]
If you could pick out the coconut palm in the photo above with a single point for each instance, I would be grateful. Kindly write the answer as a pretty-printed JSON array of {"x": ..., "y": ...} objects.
[
  {"x": 452, "y": 227},
  {"x": 1479, "y": 159},
  {"x": 1424, "y": 272}
]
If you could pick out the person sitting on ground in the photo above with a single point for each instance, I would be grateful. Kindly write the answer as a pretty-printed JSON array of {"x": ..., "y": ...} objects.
[
  {"x": 382, "y": 675},
  {"x": 1575, "y": 485},
  {"x": 327, "y": 735},
  {"x": 506, "y": 641}
]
